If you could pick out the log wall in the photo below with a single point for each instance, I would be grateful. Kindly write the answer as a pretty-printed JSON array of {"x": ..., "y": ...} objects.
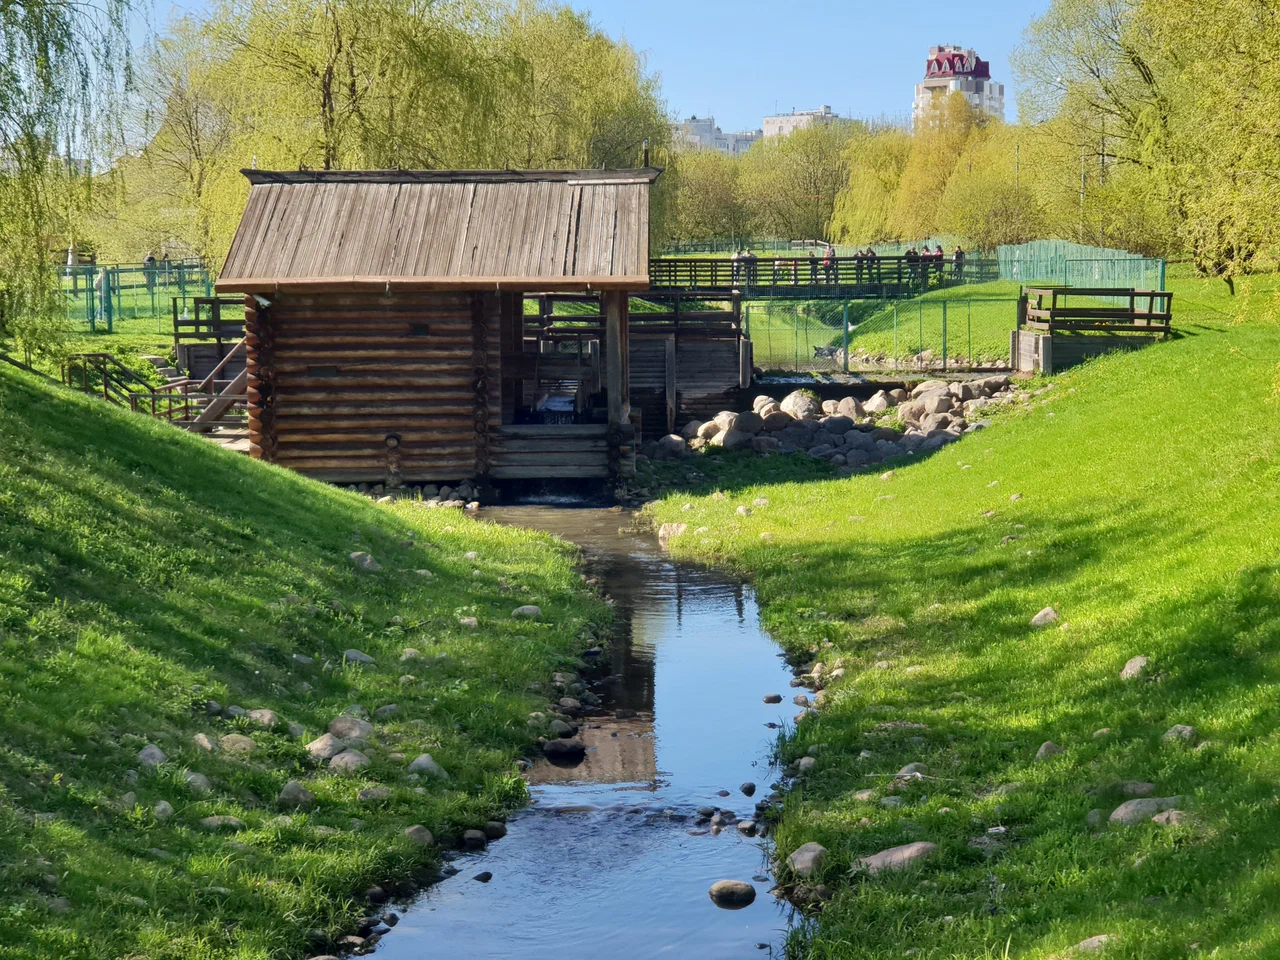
[{"x": 356, "y": 387}]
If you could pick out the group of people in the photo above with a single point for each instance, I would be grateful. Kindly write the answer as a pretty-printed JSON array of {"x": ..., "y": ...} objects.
[{"x": 745, "y": 266}]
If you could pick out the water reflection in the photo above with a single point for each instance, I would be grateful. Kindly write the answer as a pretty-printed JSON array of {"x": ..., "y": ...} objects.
[{"x": 607, "y": 861}]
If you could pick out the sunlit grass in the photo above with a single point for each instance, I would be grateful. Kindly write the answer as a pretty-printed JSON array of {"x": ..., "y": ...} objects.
[
  {"x": 1149, "y": 517},
  {"x": 144, "y": 571}
]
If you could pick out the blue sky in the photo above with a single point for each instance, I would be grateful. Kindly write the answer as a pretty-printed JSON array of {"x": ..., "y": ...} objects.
[{"x": 740, "y": 60}]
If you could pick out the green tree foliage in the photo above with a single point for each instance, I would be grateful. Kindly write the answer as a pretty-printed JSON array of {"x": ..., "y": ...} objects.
[
  {"x": 707, "y": 202},
  {"x": 355, "y": 84},
  {"x": 864, "y": 207},
  {"x": 789, "y": 185},
  {"x": 936, "y": 149},
  {"x": 61, "y": 67}
]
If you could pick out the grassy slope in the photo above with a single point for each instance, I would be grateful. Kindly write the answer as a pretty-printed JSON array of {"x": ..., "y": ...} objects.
[
  {"x": 144, "y": 570},
  {"x": 1150, "y": 519}
]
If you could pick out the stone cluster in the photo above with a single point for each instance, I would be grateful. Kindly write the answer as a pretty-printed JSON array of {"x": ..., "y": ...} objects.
[{"x": 848, "y": 432}]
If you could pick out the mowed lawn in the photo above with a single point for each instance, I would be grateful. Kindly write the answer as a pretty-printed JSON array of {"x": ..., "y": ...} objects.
[
  {"x": 143, "y": 573},
  {"x": 1140, "y": 498}
]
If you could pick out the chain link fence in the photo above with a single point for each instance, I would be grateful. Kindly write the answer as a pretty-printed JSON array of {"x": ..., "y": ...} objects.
[
  {"x": 937, "y": 335},
  {"x": 130, "y": 297}
]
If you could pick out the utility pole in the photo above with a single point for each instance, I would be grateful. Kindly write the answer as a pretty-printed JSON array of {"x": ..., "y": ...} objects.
[
  {"x": 1082, "y": 187},
  {"x": 1102, "y": 158}
]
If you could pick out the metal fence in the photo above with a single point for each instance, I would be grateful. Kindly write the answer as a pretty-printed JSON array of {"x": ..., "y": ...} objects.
[
  {"x": 1079, "y": 265},
  {"x": 919, "y": 335},
  {"x": 130, "y": 297}
]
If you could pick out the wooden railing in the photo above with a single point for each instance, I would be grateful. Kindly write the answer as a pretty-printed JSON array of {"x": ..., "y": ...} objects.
[
  {"x": 817, "y": 276},
  {"x": 206, "y": 321},
  {"x": 180, "y": 402},
  {"x": 1097, "y": 309}
]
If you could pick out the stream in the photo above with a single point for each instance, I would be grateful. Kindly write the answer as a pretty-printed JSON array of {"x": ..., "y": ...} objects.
[{"x": 607, "y": 861}]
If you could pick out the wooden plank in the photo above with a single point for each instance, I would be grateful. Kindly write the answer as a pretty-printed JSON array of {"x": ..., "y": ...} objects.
[
  {"x": 533, "y": 472},
  {"x": 551, "y": 430}
]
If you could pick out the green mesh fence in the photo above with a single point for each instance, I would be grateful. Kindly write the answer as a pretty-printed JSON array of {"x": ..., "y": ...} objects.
[
  {"x": 809, "y": 336},
  {"x": 1079, "y": 265},
  {"x": 130, "y": 297}
]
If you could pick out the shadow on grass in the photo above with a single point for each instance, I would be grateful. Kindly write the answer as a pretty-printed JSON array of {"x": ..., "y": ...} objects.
[{"x": 991, "y": 689}]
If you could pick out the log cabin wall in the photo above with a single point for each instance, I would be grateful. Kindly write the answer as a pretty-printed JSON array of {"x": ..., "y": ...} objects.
[{"x": 357, "y": 387}]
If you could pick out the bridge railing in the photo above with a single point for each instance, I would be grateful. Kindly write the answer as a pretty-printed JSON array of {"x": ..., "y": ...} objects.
[{"x": 879, "y": 276}]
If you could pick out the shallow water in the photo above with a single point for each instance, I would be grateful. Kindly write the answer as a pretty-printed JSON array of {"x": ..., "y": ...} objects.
[{"x": 599, "y": 866}]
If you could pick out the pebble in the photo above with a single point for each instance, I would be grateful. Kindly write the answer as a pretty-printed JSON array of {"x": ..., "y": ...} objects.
[
  {"x": 1135, "y": 668},
  {"x": 1048, "y": 749},
  {"x": 484, "y": 876},
  {"x": 1180, "y": 733},
  {"x": 773, "y": 698},
  {"x": 1045, "y": 617},
  {"x": 294, "y": 794},
  {"x": 426, "y": 765}
]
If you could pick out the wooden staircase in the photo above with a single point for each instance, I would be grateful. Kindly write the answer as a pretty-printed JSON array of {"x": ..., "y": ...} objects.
[{"x": 214, "y": 408}]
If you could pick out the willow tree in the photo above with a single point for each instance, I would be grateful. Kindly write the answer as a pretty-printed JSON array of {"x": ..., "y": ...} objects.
[
  {"x": 61, "y": 66},
  {"x": 789, "y": 184},
  {"x": 864, "y": 206}
]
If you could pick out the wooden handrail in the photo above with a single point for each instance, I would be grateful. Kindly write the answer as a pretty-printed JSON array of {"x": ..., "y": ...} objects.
[{"x": 207, "y": 381}]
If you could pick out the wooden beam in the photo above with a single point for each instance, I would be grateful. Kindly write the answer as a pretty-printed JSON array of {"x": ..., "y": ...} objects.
[
  {"x": 615, "y": 381},
  {"x": 670, "y": 385}
]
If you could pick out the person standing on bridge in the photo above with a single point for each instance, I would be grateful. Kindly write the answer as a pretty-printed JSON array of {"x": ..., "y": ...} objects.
[
  {"x": 957, "y": 261},
  {"x": 813, "y": 269},
  {"x": 829, "y": 263},
  {"x": 735, "y": 265}
]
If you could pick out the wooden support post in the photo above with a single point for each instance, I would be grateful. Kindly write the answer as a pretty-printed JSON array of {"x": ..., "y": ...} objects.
[
  {"x": 619, "y": 404},
  {"x": 671, "y": 384}
]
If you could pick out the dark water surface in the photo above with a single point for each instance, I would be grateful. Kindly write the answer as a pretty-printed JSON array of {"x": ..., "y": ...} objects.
[{"x": 602, "y": 864}]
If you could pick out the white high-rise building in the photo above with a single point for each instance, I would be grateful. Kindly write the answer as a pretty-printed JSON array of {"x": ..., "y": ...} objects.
[
  {"x": 952, "y": 69},
  {"x": 786, "y": 123},
  {"x": 701, "y": 133}
]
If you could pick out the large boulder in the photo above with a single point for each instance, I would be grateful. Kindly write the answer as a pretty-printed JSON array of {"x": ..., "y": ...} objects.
[
  {"x": 764, "y": 444},
  {"x": 771, "y": 407},
  {"x": 807, "y": 860},
  {"x": 751, "y": 423},
  {"x": 727, "y": 419},
  {"x": 348, "y": 761},
  {"x": 425, "y": 765},
  {"x": 837, "y": 425},
  {"x": 927, "y": 387},
  {"x": 760, "y": 401},
  {"x": 670, "y": 447},
  {"x": 732, "y": 894},
  {"x": 709, "y": 430},
  {"x": 778, "y": 420},
  {"x": 347, "y": 728},
  {"x": 733, "y": 440},
  {"x": 851, "y": 408},
  {"x": 691, "y": 429},
  {"x": 565, "y": 751},
  {"x": 897, "y": 858},
  {"x": 829, "y": 407},
  {"x": 936, "y": 403},
  {"x": 801, "y": 406},
  {"x": 1133, "y": 812},
  {"x": 878, "y": 403}
]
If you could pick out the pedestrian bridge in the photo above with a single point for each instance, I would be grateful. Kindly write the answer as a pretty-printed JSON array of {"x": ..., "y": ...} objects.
[{"x": 802, "y": 278}]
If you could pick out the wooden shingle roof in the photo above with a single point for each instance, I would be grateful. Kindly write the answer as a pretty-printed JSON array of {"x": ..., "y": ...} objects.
[{"x": 442, "y": 230}]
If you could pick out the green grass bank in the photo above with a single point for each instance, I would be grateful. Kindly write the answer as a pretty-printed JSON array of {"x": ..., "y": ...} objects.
[
  {"x": 143, "y": 573},
  {"x": 1140, "y": 498}
]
